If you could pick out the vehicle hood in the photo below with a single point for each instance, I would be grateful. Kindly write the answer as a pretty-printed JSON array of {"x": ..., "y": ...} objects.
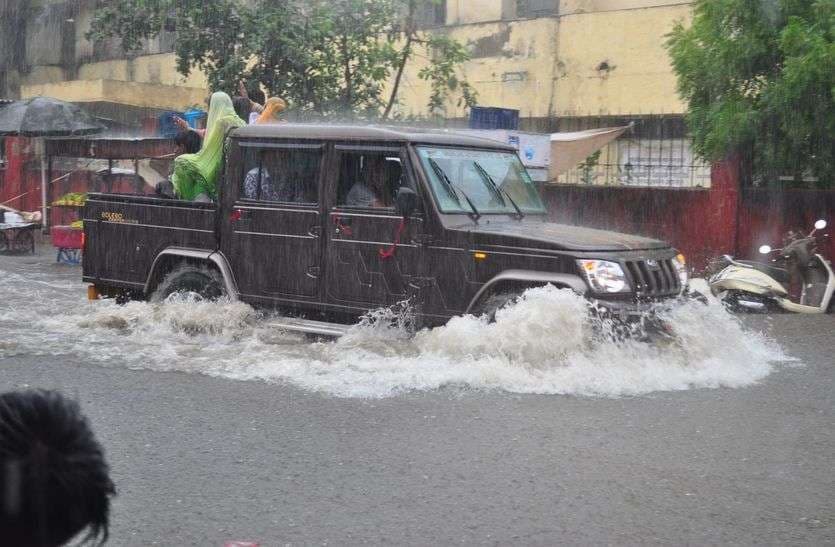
[{"x": 549, "y": 235}]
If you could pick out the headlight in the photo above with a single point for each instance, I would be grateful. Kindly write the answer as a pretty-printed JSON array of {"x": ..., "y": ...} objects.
[
  {"x": 680, "y": 264},
  {"x": 604, "y": 276}
]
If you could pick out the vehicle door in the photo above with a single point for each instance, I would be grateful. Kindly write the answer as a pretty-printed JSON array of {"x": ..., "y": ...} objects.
[
  {"x": 275, "y": 224},
  {"x": 373, "y": 257}
]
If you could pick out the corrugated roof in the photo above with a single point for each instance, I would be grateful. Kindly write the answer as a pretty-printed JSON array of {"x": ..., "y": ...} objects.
[{"x": 375, "y": 133}]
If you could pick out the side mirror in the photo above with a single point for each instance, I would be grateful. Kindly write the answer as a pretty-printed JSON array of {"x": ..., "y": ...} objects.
[
  {"x": 405, "y": 201},
  {"x": 820, "y": 225},
  {"x": 765, "y": 249}
]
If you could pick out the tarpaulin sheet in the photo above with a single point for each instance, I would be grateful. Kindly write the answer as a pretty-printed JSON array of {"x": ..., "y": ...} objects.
[{"x": 569, "y": 149}]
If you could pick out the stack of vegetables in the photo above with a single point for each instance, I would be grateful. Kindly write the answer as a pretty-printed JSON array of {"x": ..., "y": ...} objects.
[{"x": 73, "y": 199}]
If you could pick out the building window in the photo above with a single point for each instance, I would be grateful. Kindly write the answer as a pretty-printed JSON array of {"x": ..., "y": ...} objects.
[
  {"x": 536, "y": 8},
  {"x": 430, "y": 13}
]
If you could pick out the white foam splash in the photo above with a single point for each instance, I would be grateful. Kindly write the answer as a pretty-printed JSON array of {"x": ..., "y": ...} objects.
[{"x": 543, "y": 344}]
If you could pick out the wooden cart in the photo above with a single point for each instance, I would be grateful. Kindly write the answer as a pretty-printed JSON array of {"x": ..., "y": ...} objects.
[{"x": 18, "y": 238}]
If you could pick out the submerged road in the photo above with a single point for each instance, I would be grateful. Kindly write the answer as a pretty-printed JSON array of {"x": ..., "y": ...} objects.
[{"x": 200, "y": 460}]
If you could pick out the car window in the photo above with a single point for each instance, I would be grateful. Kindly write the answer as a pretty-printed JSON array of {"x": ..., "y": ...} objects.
[
  {"x": 368, "y": 179},
  {"x": 287, "y": 175}
]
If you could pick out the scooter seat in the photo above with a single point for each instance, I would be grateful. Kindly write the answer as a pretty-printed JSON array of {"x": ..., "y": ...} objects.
[{"x": 781, "y": 275}]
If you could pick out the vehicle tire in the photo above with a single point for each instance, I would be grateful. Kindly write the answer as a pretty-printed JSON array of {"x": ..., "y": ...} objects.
[
  {"x": 207, "y": 284},
  {"x": 729, "y": 300},
  {"x": 497, "y": 301}
]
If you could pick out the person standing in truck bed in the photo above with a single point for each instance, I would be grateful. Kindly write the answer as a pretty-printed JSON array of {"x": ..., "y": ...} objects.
[{"x": 195, "y": 175}]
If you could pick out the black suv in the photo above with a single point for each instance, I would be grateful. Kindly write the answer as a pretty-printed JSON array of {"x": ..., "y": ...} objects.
[{"x": 328, "y": 222}]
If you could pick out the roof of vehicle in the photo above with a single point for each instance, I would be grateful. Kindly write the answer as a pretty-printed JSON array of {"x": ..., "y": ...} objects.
[{"x": 374, "y": 133}]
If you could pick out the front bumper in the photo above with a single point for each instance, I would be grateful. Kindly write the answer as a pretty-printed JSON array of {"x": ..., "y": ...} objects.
[{"x": 641, "y": 310}]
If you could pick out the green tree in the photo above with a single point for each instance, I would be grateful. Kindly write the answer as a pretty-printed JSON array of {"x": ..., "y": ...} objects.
[
  {"x": 334, "y": 58},
  {"x": 759, "y": 79}
]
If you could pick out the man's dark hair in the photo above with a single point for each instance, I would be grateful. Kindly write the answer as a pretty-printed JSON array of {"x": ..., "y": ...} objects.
[
  {"x": 242, "y": 107},
  {"x": 189, "y": 141},
  {"x": 54, "y": 480},
  {"x": 256, "y": 94}
]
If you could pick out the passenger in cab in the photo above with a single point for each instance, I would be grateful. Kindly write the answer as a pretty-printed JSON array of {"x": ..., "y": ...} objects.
[
  {"x": 259, "y": 177},
  {"x": 195, "y": 175},
  {"x": 371, "y": 190},
  {"x": 243, "y": 107},
  {"x": 272, "y": 109}
]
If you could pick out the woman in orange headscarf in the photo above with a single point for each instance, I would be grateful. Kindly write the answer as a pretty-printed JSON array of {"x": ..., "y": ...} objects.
[{"x": 272, "y": 108}]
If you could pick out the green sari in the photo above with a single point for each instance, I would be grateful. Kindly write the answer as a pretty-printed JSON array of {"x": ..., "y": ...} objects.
[{"x": 196, "y": 174}]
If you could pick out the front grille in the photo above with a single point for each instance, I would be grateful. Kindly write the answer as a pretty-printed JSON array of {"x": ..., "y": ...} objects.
[{"x": 653, "y": 279}]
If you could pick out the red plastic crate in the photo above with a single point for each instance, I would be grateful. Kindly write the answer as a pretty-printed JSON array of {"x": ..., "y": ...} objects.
[{"x": 66, "y": 237}]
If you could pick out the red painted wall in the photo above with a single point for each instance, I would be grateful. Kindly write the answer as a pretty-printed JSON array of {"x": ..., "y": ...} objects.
[
  {"x": 15, "y": 189},
  {"x": 767, "y": 215},
  {"x": 702, "y": 223},
  {"x": 698, "y": 222}
]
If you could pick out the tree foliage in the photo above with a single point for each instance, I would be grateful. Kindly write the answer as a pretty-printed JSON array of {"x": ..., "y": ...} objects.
[
  {"x": 759, "y": 78},
  {"x": 342, "y": 58}
]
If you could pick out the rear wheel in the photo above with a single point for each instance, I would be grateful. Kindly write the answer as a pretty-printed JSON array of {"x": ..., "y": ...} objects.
[{"x": 203, "y": 283}]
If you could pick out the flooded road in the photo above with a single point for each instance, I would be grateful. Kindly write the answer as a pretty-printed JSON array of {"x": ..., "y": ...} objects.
[
  {"x": 435, "y": 440},
  {"x": 545, "y": 344}
]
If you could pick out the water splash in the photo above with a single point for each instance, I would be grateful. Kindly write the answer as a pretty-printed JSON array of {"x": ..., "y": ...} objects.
[{"x": 546, "y": 343}]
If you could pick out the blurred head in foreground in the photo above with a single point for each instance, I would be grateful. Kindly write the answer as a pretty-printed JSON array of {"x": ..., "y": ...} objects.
[{"x": 54, "y": 480}]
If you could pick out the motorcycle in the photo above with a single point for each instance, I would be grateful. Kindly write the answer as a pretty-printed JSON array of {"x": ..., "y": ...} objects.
[{"x": 754, "y": 286}]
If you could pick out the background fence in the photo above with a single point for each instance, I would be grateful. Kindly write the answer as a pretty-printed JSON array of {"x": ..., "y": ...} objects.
[{"x": 655, "y": 152}]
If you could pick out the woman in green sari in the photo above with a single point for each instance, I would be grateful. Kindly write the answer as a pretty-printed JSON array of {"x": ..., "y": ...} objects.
[{"x": 196, "y": 174}]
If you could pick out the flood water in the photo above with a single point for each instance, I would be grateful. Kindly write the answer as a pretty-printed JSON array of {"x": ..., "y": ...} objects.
[{"x": 542, "y": 345}]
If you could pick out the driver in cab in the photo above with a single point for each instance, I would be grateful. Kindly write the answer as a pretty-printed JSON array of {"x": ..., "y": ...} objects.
[{"x": 372, "y": 188}]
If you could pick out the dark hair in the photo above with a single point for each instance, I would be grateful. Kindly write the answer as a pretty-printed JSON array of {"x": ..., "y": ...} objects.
[
  {"x": 243, "y": 107},
  {"x": 190, "y": 141},
  {"x": 256, "y": 94},
  {"x": 54, "y": 480}
]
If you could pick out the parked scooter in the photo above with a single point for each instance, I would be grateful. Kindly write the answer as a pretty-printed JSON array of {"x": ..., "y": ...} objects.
[{"x": 754, "y": 286}]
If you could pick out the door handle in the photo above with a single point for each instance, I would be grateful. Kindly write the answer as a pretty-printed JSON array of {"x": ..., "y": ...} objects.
[
  {"x": 422, "y": 239},
  {"x": 315, "y": 230}
]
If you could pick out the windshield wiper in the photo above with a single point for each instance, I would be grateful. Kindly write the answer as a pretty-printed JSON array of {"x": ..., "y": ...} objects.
[
  {"x": 453, "y": 191},
  {"x": 498, "y": 190}
]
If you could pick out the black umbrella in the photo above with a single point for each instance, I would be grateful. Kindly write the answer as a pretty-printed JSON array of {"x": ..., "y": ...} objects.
[{"x": 46, "y": 117}]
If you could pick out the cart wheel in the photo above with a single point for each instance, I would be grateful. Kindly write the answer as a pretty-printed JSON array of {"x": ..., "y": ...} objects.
[{"x": 24, "y": 242}]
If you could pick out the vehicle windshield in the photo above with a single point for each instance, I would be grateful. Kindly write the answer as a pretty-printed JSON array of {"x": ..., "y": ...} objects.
[{"x": 490, "y": 181}]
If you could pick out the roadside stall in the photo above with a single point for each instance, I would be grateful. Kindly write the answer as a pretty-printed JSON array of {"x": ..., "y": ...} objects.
[
  {"x": 109, "y": 164},
  {"x": 17, "y": 231}
]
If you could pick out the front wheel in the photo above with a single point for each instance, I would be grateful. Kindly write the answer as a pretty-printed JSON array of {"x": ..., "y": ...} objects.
[
  {"x": 738, "y": 301},
  {"x": 497, "y": 301},
  {"x": 204, "y": 284}
]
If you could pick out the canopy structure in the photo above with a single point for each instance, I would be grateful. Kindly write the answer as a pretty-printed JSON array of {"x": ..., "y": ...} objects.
[
  {"x": 139, "y": 150},
  {"x": 569, "y": 149}
]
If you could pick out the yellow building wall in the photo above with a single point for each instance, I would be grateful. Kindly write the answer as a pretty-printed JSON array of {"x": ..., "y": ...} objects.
[
  {"x": 549, "y": 66},
  {"x": 162, "y": 69},
  {"x": 512, "y": 66},
  {"x": 639, "y": 78},
  {"x": 154, "y": 78},
  {"x": 597, "y": 57},
  {"x": 472, "y": 11},
  {"x": 135, "y": 94}
]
